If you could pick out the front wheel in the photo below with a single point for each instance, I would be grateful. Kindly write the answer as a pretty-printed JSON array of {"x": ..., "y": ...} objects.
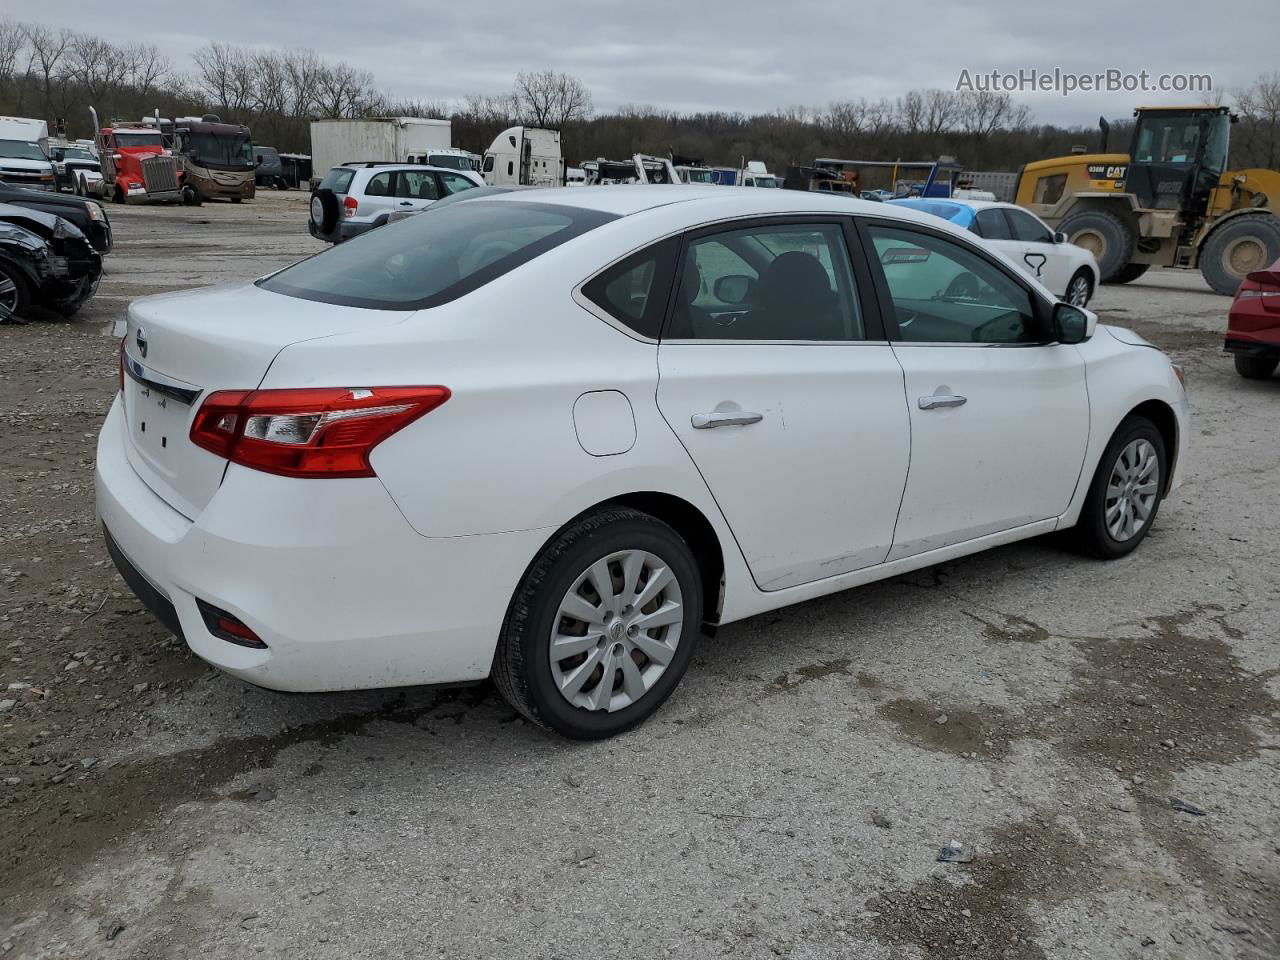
[
  {"x": 1125, "y": 494},
  {"x": 602, "y": 627}
]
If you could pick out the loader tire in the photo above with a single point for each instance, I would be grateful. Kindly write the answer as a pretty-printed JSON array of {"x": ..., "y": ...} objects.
[
  {"x": 1237, "y": 248},
  {"x": 1105, "y": 235},
  {"x": 1130, "y": 272}
]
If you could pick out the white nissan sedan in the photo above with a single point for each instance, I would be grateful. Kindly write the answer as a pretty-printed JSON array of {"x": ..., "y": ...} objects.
[{"x": 548, "y": 436}]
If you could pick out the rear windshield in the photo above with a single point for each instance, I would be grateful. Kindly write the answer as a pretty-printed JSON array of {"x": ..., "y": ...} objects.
[
  {"x": 434, "y": 258},
  {"x": 337, "y": 179}
]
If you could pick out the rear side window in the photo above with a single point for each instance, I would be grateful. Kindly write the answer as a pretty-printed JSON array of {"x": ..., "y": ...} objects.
[
  {"x": 634, "y": 291},
  {"x": 429, "y": 260},
  {"x": 338, "y": 179},
  {"x": 990, "y": 223}
]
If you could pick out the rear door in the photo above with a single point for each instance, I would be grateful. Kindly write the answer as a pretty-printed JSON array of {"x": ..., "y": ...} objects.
[
  {"x": 774, "y": 374},
  {"x": 999, "y": 416},
  {"x": 378, "y": 196},
  {"x": 416, "y": 189}
]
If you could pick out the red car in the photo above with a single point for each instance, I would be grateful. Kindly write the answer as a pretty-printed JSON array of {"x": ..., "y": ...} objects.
[{"x": 1253, "y": 326}]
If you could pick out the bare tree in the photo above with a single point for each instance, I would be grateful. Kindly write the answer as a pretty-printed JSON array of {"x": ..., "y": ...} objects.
[
  {"x": 1259, "y": 107},
  {"x": 47, "y": 48},
  {"x": 981, "y": 113},
  {"x": 146, "y": 68},
  {"x": 549, "y": 99},
  {"x": 13, "y": 40}
]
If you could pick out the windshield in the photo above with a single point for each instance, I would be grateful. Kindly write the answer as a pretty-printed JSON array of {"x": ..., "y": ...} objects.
[
  {"x": 766, "y": 181},
  {"x": 450, "y": 161},
  {"x": 74, "y": 153},
  {"x": 1168, "y": 139},
  {"x": 21, "y": 150},
  {"x": 228, "y": 149},
  {"x": 128, "y": 138},
  {"x": 429, "y": 260},
  {"x": 696, "y": 176}
]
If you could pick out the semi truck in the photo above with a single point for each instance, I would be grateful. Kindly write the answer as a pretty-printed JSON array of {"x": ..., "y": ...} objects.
[
  {"x": 23, "y": 161},
  {"x": 377, "y": 139},
  {"x": 136, "y": 164},
  {"x": 525, "y": 157}
]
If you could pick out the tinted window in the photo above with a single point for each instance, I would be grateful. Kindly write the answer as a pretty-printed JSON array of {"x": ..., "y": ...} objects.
[
  {"x": 1027, "y": 228},
  {"x": 428, "y": 260},
  {"x": 379, "y": 185},
  {"x": 450, "y": 161},
  {"x": 454, "y": 183},
  {"x": 416, "y": 185},
  {"x": 945, "y": 293},
  {"x": 634, "y": 292},
  {"x": 990, "y": 223},
  {"x": 338, "y": 179},
  {"x": 783, "y": 282},
  {"x": 488, "y": 164}
]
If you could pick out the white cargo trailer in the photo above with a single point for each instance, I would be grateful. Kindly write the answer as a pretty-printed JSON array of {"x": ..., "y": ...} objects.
[{"x": 386, "y": 139}]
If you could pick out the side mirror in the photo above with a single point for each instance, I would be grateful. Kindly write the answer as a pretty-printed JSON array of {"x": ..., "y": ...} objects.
[
  {"x": 1059, "y": 237},
  {"x": 1072, "y": 324},
  {"x": 733, "y": 289}
]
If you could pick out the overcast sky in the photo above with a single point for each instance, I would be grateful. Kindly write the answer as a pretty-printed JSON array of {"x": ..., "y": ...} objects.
[{"x": 734, "y": 55}]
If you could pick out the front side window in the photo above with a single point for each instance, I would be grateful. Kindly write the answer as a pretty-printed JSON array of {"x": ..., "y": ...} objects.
[
  {"x": 1027, "y": 228},
  {"x": 416, "y": 185},
  {"x": 634, "y": 292},
  {"x": 453, "y": 183},
  {"x": 429, "y": 260},
  {"x": 945, "y": 293},
  {"x": 771, "y": 282}
]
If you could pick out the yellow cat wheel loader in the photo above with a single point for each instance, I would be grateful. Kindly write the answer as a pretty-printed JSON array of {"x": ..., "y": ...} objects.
[{"x": 1171, "y": 202}]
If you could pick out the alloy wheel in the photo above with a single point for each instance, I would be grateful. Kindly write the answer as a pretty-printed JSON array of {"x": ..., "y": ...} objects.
[
  {"x": 8, "y": 296},
  {"x": 1078, "y": 293},
  {"x": 616, "y": 630},
  {"x": 1132, "y": 490}
]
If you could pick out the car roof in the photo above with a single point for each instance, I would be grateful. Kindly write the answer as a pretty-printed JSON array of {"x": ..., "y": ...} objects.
[{"x": 626, "y": 199}]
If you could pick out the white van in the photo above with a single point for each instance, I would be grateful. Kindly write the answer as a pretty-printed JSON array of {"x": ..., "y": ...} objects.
[{"x": 525, "y": 157}]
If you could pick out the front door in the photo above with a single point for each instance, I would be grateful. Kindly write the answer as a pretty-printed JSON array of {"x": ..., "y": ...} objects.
[
  {"x": 774, "y": 374},
  {"x": 999, "y": 418}
]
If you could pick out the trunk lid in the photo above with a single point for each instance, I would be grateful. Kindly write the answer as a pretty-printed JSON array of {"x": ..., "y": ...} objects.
[{"x": 180, "y": 347}]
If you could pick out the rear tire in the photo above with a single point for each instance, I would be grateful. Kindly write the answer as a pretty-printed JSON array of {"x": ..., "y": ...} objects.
[
  {"x": 1256, "y": 368},
  {"x": 1105, "y": 235},
  {"x": 1080, "y": 289},
  {"x": 1125, "y": 486},
  {"x": 1237, "y": 248},
  {"x": 634, "y": 555},
  {"x": 1130, "y": 272}
]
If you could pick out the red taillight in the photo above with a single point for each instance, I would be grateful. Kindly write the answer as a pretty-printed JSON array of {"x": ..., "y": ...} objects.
[
  {"x": 312, "y": 432},
  {"x": 349, "y": 206}
]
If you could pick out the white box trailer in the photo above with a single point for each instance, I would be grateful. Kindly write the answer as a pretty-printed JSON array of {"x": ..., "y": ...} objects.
[{"x": 385, "y": 139}]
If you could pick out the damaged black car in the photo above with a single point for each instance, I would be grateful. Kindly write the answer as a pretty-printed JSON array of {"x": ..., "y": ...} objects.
[{"x": 45, "y": 261}]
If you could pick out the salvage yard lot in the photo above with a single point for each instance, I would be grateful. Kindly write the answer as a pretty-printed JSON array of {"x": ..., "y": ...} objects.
[{"x": 789, "y": 800}]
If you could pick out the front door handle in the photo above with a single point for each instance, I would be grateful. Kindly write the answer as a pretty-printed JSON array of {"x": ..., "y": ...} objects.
[
  {"x": 724, "y": 418},
  {"x": 942, "y": 400},
  {"x": 406, "y": 203}
]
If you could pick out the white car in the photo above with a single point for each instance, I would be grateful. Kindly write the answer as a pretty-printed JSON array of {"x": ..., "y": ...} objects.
[
  {"x": 548, "y": 436},
  {"x": 1068, "y": 270},
  {"x": 357, "y": 197}
]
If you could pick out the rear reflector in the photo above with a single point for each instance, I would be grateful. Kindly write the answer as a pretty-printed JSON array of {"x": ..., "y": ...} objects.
[
  {"x": 313, "y": 432},
  {"x": 226, "y": 627}
]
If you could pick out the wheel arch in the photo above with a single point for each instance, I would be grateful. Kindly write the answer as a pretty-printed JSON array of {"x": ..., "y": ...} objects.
[
  {"x": 1232, "y": 216},
  {"x": 1166, "y": 422},
  {"x": 691, "y": 524}
]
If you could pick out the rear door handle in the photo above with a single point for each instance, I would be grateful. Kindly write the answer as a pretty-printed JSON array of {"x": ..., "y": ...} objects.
[
  {"x": 726, "y": 418},
  {"x": 942, "y": 400}
]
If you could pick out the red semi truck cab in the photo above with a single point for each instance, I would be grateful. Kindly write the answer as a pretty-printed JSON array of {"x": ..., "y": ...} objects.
[{"x": 136, "y": 166}]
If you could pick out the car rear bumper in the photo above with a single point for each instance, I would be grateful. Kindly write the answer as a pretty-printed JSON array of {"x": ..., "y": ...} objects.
[{"x": 327, "y": 573}]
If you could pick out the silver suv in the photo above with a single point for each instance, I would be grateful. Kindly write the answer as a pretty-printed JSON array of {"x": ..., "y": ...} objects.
[{"x": 357, "y": 197}]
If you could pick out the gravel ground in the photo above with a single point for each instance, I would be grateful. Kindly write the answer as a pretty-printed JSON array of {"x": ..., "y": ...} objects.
[{"x": 791, "y": 798}]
